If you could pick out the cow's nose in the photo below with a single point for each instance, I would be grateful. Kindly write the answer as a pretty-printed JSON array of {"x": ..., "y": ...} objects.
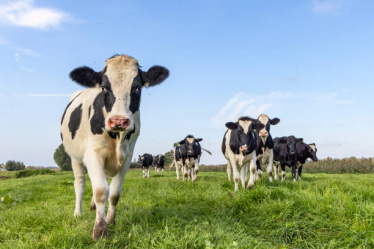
[
  {"x": 119, "y": 123},
  {"x": 263, "y": 133},
  {"x": 292, "y": 153}
]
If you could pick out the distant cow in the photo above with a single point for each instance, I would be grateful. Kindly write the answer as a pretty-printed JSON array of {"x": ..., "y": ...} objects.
[
  {"x": 146, "y": 161},
  {"x": 285, "y": 154},
  {"x": 177, "y": 160},
  {"x": 159, "y": 163},
  {"x": 265, "y": 145},
  {"x": 191, "y": 152},
  {"x": 239, "y": 148},
  {"x": 304, "y": 151},
  {"x": 99, "y": 129}
]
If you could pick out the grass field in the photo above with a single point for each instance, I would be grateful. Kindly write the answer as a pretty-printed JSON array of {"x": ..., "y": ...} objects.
[{"x": 322, "y": 211}]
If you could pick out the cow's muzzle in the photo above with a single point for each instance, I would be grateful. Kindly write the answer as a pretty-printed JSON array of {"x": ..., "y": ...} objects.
[
  {"x": 118, "y": 123},
  {"x": 244, "y": 148},
  {"x": 190, "y": 153},
  {"x": 263, "y": 133}
]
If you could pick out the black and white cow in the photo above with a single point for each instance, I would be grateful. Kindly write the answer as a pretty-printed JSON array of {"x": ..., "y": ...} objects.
[
  {"x": 146, "y": 161},
  {"x": 159, "y": 163},
  {"x": 239, "y": 148},
  {"x": 265, "y": 146},
  {"x": 304, "y": 151},
  {"x": 99, "y": 129},
  {"x": 187, "y": 156},
  {"x": 285, "y": 154}
]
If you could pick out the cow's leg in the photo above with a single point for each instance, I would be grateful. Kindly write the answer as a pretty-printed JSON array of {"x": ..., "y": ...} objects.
[
  {"x": 247, "y": 170},
  {"x": 79, "y": 183},
  {"x": 300, "y": 170},
  {"x": 148, "y": 172},
  {"x": 143, "y": 173},
  {"x": 95, "y": 168},
  {"x": 269, "y": 168},
  {"x": 189, "y": 172},
  {"x": 185, "y": 173},
  {"x": 252, "y": 169},
  {"x": 229, "y": 170},
  {"x": 177, "y": 168},
  {"x": 162, "y": 171},
  {"x": 243, "y": 173},
  {"x": 236, "y": 173},
  {"x": 258, "y": 174},
  {"x": 196, "y": 170},
  {"x": 276, "y": 171},
  {"x": 92, "y": 206},
  {"x": 115, "y": 189},
  {"x": 294, "y": 172},
  {"x": 283, "y": 172}
]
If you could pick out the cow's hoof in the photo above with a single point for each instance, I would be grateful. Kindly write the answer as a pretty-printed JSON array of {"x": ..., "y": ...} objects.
[
  {"x": 250, "y": 186},
  {"x": 100, "y": 230},
  {"x": 294, "y": 180},
  {"x": 111, "y": 219},
  {"x": 270, "y": 179}
]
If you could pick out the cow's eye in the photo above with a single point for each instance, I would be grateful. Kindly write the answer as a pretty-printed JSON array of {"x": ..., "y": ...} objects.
[
  {"x": 137, "y": 90},
  {"x": 104, "y": 89}
]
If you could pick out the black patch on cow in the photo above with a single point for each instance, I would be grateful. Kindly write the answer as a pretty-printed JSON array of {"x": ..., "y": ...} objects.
[
  {"x": 135, "y": 93},
  {"x": 75, "y": 120},
  {"x": 62, "y": 138},
  {"x": 89, "y": 112},
  {"x": 147, "y": 160},
  {"x": 97, "y": 122},
  {"x": 63, "y": 115},
  {"x": 223, "y": 147},
  {"x": 113, "y": 134},
  {"x": 245, "y": 119},
  {"x": 128, "y": 134}
]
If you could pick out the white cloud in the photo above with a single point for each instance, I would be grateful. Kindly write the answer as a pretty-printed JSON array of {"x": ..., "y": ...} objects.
[
  {"x": 28, "y": 70},
  {"x": 243, "y": 104},
  {"x": 24, "y": 13},
  {"x": 3, "y": 42},
  {"x": 327, "y": 6},
  {"x": 38, "y": 95},
  {"x": 28, "y": 52},
  {"x": 16, "y": 56}
]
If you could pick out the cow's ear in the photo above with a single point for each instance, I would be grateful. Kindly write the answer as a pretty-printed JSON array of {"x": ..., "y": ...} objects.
[
  {"x": 274, "y": 121},
  {"x": 231, "y": 126},
  {"x": 85, "y": 76},
  {"x": 283, "y": 140},
  {"x": 313, "y": 144},
  {"x": 300, "y": 140},
  {"x": 182, "y": 142},
  {"x": 257, "y": 125},
  {"x": 154, "y": 76},
  {"x": 198, "y": 139}
]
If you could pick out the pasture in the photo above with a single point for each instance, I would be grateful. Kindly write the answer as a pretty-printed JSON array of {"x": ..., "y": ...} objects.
[{"x": 321, "y": 211}]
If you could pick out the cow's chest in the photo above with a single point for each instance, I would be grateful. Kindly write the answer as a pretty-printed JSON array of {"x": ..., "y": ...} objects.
[
  {"x": 190, "y": 162},
  {"x": 265, "y": 156},
  {"x": 114, "y": 158},
  {"x": 242, "y": 160}
]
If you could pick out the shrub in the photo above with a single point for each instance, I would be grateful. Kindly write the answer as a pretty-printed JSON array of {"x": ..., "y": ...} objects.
[
  {"x": 34, "y": 172},
  {"x": 62, "y": 159},
  {"x": 13, "y": 165}
]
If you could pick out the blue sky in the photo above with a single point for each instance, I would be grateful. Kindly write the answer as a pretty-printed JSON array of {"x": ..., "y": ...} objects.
[{"x": 308, "y": 62}]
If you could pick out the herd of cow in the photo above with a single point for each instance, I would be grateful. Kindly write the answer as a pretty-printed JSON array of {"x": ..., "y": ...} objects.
[
  {"x": 147, "y": 160},
  {"x": 101, "y": 124}
]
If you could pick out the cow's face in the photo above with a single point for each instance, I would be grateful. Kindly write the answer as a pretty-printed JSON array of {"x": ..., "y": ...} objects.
[
  {"x": 291, "y": 146},
  {"x": 242, "y": 130},
  {"x": 141, "y": 158},
  {"x": 313, "y": 152},
  {"x": 191, "y": 145},
  {"x": 283, "y": 152},
  {"x": 266, "y": 121},
  {"x": 121, "y": 82}
]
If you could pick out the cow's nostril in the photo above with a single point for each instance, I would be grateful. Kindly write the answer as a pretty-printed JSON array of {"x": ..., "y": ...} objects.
[{"x": 120, "y": 123}]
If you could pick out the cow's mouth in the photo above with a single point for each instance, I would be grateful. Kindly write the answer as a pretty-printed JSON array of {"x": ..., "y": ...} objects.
[{"x": 118, "y": 123}]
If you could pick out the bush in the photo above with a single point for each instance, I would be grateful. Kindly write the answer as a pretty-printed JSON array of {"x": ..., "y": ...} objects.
[
  {"x": 135, "y": 166},
  {"x": 13, "y": 165},
  {"x": 62, "y": 159},
  {"x": 34, "y": 172}
]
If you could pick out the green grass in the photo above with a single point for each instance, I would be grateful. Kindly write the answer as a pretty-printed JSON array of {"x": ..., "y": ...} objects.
[{"x": 322, "y": 211}]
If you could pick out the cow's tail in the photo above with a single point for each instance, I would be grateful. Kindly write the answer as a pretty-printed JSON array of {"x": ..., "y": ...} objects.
[
  {"x": 210, "y": 153},
  {"x": 172, "y": 163}
]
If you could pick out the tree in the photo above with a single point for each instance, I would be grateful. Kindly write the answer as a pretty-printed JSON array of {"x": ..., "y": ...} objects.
[
  {"x": 169, "y": 157},
  {"x": 62, "y": 159},
  {"x": 2, "y": 166},
  {"x": 13, "y": 165}
]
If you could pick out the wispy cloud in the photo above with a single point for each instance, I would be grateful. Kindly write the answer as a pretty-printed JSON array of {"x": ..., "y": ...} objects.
[
  {"x": 16, "y": 56},
  {"x": 28, "y": 52},
  {"x": 27, "y": 70},
  {"x": 3, "y": 42},
  {"x": 327, "y": 6},
  {"x": 24, "y": 13},
  {"x": 243, "y": 104},
  {"x": 38, "y": 95}
]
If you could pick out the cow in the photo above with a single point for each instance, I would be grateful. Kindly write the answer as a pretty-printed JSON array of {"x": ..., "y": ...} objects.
[
  {"x": 100, "y": 127},
  {"x": 265, "y": 146},
  {"x": 146, "y": 161},
  {"x": 190, "y": 149},
  {"x": 304, "y": 151},
  {"x": 239, "y": 148},
  {"x": 159, "y": 163},
  {"x": 285, "y": 154},
  {"x": 177, "y": 160}
]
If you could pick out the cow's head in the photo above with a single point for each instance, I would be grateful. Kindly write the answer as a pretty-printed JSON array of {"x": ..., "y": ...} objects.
[
  {"x": 121, "y": 82},
  {"x": 141, "y": 158},
  {"x": 291, "y": 146},
  {"x": 191, "y": 144},
  {"x": 283, "y": 152},
  {"x": 266, "y": 121},
  {"x": 313, "y": 152},
  {"x": 242, "y": 131}
]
